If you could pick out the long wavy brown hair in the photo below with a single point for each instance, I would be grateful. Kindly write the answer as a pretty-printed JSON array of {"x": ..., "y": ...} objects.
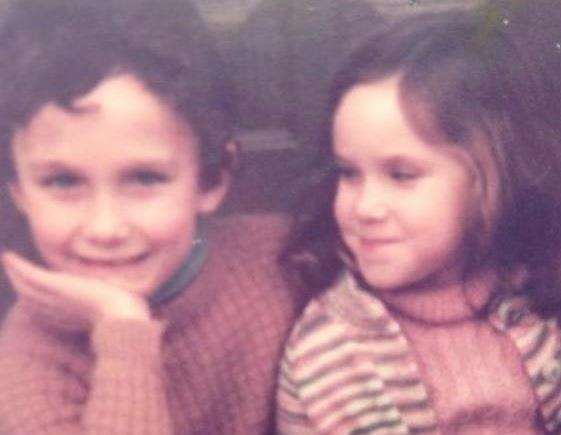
[{"x": 466, "y": 80}]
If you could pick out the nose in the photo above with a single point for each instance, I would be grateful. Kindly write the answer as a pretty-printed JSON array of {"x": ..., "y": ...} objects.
[
  {"x": 105, "y": 223},
  {"x": 372, "y": 202}
]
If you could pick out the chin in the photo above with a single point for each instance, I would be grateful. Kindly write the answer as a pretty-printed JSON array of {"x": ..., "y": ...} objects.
[
  {"x": 383, "y": 281},
  {"x": 379, "y": 277},
  {"x": 138, "y": 287}
]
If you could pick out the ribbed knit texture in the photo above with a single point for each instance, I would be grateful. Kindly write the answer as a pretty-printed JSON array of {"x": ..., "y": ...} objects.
[
  {"x": 474, "y": 377},
  {"x": 352, "y": 366},
  {"x": 206, "y": 364}
]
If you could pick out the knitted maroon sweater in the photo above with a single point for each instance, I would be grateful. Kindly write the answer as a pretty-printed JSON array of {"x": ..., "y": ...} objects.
[{"x": 206, "y": 363}]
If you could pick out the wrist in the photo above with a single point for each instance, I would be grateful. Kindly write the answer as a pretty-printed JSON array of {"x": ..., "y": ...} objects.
[
  {"x": 128, "y": 341},
  {"x": 128, "y": 308}
]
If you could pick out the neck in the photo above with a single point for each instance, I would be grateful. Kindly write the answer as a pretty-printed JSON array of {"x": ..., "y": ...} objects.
[
  {"x": 185, "y": 274},
  {"x": 442, "y": 303}
]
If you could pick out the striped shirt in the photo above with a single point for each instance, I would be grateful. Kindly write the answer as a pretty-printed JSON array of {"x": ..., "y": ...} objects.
[{"x": 347, "y": 368}]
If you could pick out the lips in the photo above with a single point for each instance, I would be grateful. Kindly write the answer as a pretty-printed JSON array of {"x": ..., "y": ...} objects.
[
  {"x": 369, "y": 245},
  {"x": 368, "y": 239},
  {"x": 111, "y": 261},
  {"x": 376, "y": 242},
  {"x": 124, "y": 271}
]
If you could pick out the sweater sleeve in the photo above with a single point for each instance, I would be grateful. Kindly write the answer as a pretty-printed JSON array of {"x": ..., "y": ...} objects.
[
  {"x": 55, "y": 393},
  {"x": 291, "y": 415}
]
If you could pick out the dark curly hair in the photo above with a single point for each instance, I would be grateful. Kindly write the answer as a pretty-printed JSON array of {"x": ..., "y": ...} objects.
[
  {"x": 59, "y": 50},
  {"x": 465, "y": 79}
]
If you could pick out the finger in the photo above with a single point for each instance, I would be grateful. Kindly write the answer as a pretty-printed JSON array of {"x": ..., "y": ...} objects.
[
  {"x": 23, "y": 289},
  {"x": 54, "y": 310},
  {"x": 44, "y": 298},
  {"x": 91, "y": 296},
  {"x": 55, "y": 294},
  {"x": 50, "y": 305},
  {"x": 41, "y": 304},
  {"x": 45, "y": 280},
  {"x": 25, "y": 275},
  {"x": 38, "y": 300},
  {"x": 17, "y": 282}
]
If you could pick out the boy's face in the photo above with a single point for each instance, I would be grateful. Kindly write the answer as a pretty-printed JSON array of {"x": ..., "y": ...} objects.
[{"x": 111, "y": 190}]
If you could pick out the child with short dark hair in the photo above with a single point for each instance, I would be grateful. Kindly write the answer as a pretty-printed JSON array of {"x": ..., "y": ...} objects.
[
  {"x": 436, "y": 239},
  {"x": 137, "y": 314}
]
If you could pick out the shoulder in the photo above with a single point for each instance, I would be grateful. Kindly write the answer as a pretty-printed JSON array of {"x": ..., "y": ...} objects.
[
  {"x": 338, "y": 317},
  {"x": 318, "y": 331},
  {"x": 242, "y": 273},
  {"x": 539, "y": 342},
  {"x": 244, "y": 252}
]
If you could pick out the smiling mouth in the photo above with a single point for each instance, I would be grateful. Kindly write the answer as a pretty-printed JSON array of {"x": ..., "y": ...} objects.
[
  {"x": 374, "y": 240},
  {"x": 112, "y": 262},
  {"x": 374, "y": 244}
]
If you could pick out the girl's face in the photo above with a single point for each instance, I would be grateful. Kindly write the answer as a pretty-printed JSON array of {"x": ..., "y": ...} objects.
[
  {"x": 111, "y": 189},
  {"x": 402, "y": 205}
]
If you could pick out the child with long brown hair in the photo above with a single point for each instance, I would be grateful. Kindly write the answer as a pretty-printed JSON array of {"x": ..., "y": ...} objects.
[{"x": 436, "y": 239}]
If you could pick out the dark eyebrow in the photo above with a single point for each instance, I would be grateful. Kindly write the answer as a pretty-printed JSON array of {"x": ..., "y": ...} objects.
[
  {"x": 400, "y": 159},
  {"x": 157, "y": 163},
  {"x": 50, "y": 165},
  {"x": 152, "y": 161}
]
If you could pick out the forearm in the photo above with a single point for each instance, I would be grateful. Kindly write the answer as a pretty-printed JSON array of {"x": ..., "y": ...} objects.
[
  {"x": 127, "y": 392},
  {"x": 122, "y": 392}
]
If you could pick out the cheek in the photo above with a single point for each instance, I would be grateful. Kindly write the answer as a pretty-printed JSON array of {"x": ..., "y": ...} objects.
[
  {"x": 52, "y": 238},
  {"x": 51, "y": 225},
  {"x": 446, "y": 200},
  {"x": 167, "y": 223},
  {"x": 168, "y": 215},
  {"x": 46, "y": 235},
  {"x": 443, "y": 219}
]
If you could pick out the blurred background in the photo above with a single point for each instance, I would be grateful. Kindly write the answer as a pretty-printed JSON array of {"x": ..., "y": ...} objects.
[{"x": 281, "y": 55}]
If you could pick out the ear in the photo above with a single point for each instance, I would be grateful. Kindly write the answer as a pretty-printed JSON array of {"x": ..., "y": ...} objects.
[
  {"x": 210, "y": 199},
  {"x": 17, "y": 197}
]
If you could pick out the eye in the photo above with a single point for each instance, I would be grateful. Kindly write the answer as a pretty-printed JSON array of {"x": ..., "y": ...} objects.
[
  {"x": 148, "y": 178},
  {"x": 403, "y": 173},
  {"x": 62, "y": 180},
  {"x": 345, "y": 171}
]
